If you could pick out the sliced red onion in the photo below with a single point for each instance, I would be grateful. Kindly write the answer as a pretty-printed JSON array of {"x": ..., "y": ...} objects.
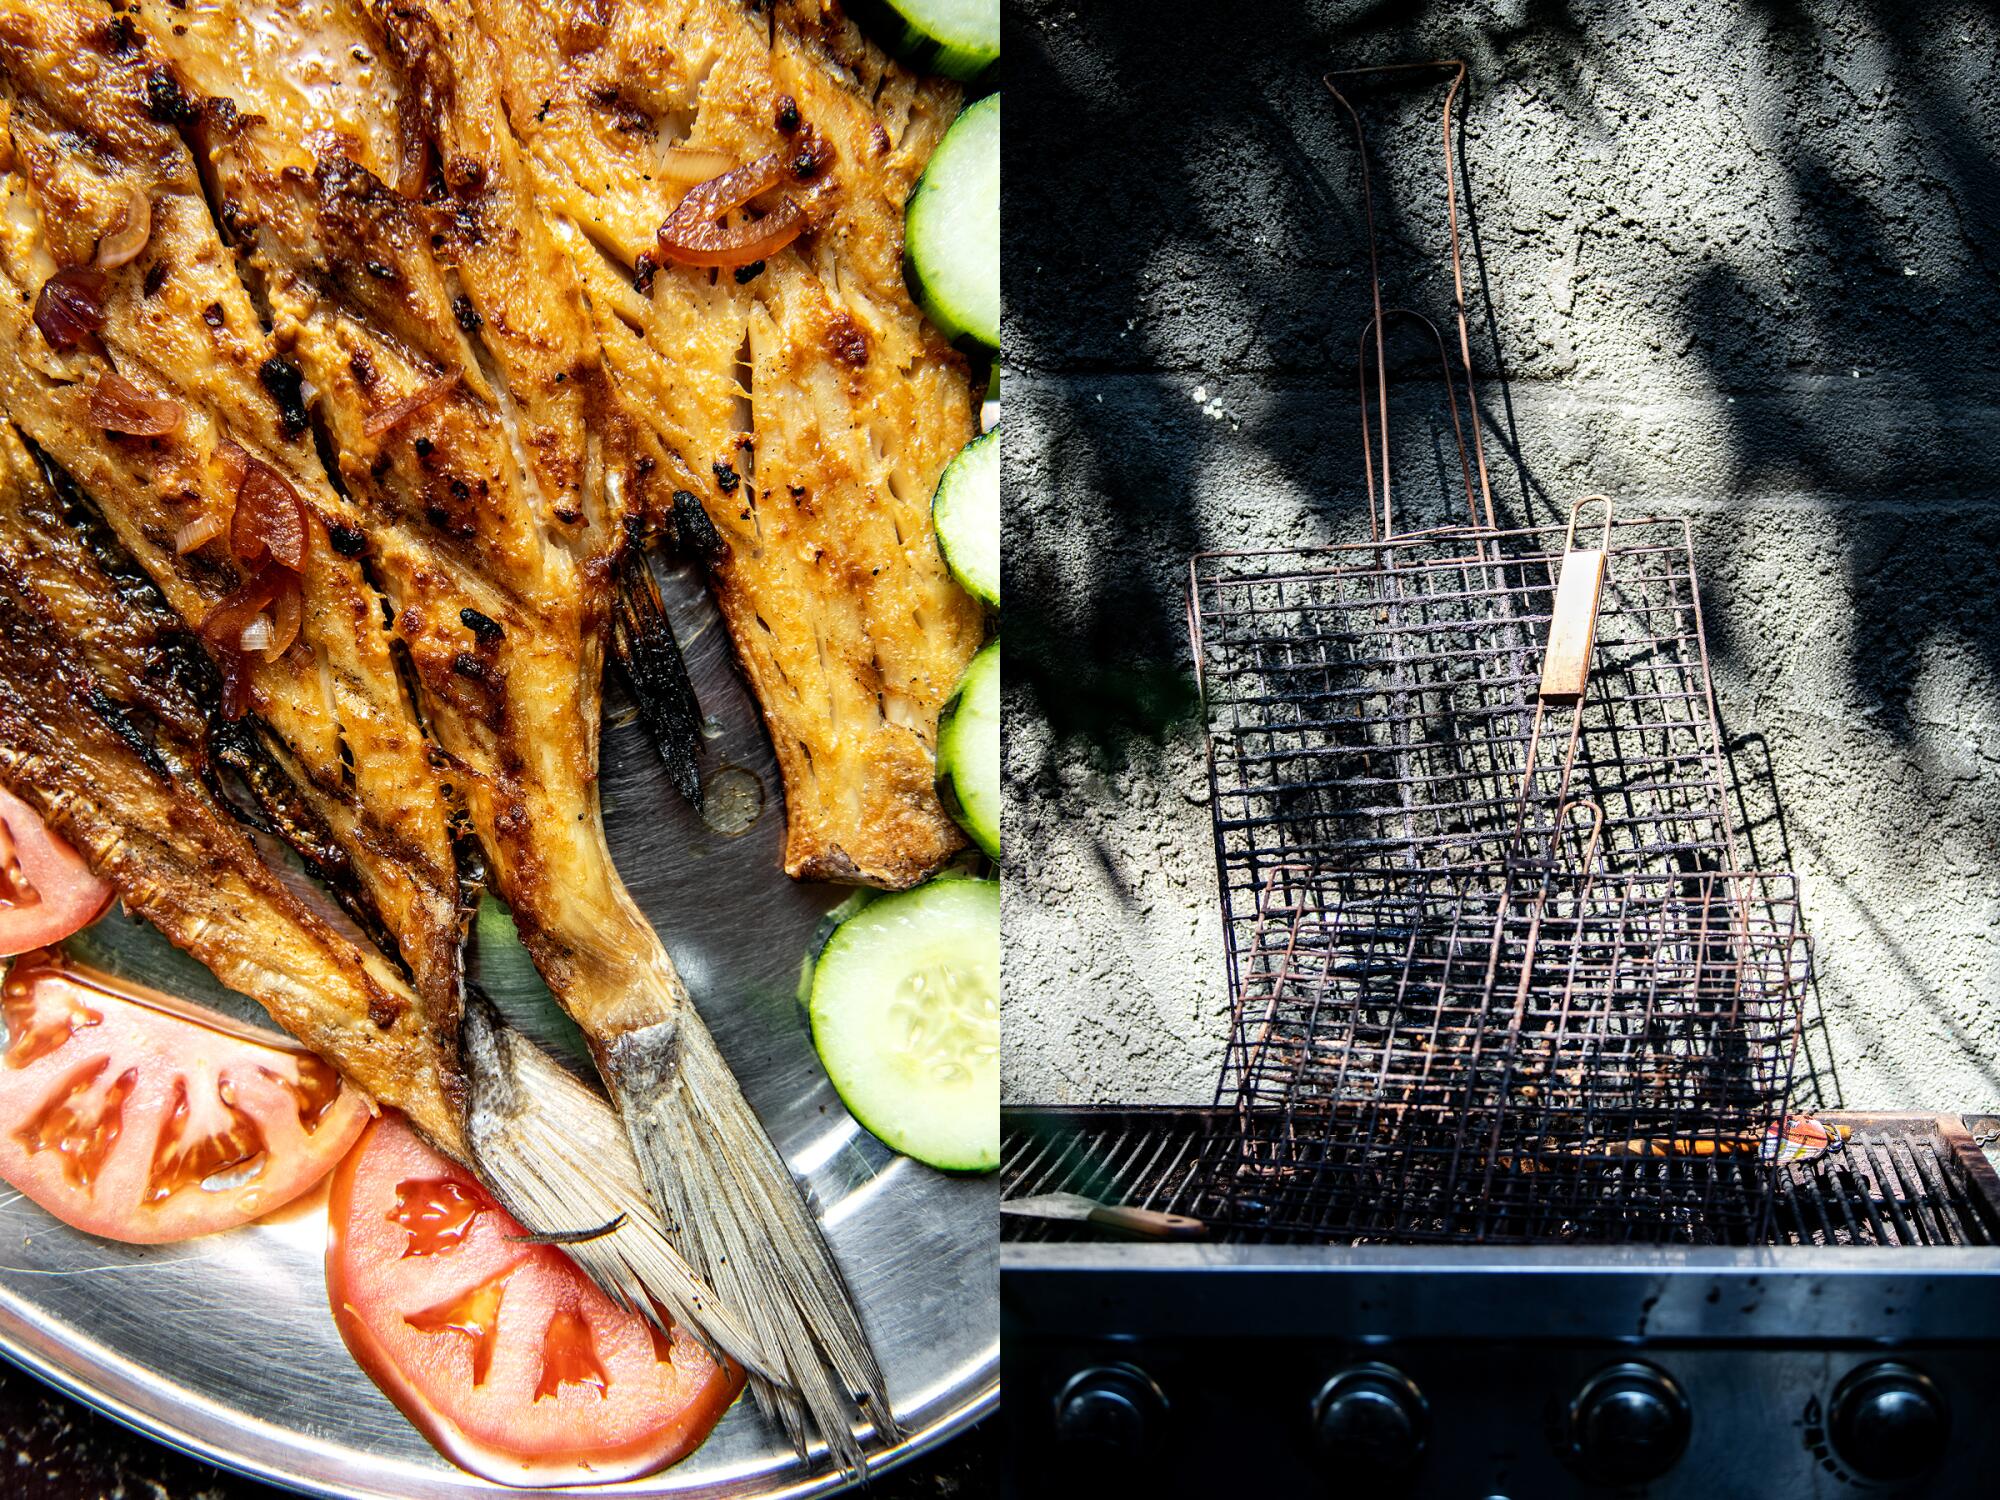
[
  {"x": 69, "y": 310},
  {"x": 129, "y": 235},
  {"x": 693, "y": 235}
]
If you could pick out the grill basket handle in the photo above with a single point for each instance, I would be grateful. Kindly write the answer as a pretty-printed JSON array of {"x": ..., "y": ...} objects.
[{"x": 1381, "y": 517}]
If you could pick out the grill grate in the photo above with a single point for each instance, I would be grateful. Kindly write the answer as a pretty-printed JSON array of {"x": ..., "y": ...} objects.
[
  {"x": 1901, "y": 1179},
  {"x": 1446, "y": 1024}
]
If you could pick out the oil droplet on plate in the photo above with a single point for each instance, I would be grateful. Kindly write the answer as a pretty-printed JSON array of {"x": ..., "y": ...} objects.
[{"x": 731, "y": 800}]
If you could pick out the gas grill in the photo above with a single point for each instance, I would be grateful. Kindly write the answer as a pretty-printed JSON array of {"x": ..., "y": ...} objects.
[
  {"x": 1853, "y": 1349},
  {"x": 1503, "y": 1193}
]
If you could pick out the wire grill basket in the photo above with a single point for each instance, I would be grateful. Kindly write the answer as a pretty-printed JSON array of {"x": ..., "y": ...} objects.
[
  {"x": 1448, "y": 1020},
  {"x": 1518, "y": 1053},
  {"x": 1378, "y": 703}
]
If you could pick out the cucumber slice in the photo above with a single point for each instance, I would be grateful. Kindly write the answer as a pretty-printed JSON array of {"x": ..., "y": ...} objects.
[
  {"x": 966, "y": 513},
  {"x": 906, "y": 1017},
  {"x": 969, "y": 751},
  {"x": 951, "y": 232},
  {"x": 958, "y": 38}
]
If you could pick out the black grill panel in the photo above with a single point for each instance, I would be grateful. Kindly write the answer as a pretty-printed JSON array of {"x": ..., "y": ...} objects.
[{"x": 1901, "y": 1180}]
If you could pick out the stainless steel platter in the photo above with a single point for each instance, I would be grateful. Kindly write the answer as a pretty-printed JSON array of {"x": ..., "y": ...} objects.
[{"x": 224, "y": 1346}]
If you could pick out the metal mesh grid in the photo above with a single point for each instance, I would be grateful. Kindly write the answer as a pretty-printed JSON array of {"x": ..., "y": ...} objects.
[
  {"x": 1377, "y": 703},
  {"x": 1511, "y": 1053},
  {"x": 1907, "y": 1179}
]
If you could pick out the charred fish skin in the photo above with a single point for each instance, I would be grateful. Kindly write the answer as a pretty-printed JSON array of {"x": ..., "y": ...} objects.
[
  {"x": 485, "y": 447},
  {"x": 803, "y": 401},
  {"x": 181, "y": 862},
  {"x": 93, "y": 127},
  {"x": 152, "y": 679}
]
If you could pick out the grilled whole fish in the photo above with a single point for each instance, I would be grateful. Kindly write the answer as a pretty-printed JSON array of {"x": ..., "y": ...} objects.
[
  {"x": 83, "y": 142},
  {"x": 805, "y": 401},
  {"x": 100, "y": 732},
  {"x": 396, "y": 240}
]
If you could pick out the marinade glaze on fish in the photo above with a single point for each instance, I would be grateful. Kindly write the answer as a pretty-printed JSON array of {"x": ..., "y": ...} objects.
[{"x": 386, "y": 247}]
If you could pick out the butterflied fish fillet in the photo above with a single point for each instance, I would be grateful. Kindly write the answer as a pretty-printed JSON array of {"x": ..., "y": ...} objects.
[
  {"x": 393, "y": 231},
  {"x": 83, "y": 138},
  {"x": 810, "y": 407},
  {"x": 102, "y": 732}
]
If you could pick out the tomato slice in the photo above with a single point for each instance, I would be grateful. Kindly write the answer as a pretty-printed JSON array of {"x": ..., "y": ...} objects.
[
  {"x": 505, "y": 1355},
  {"x": 129, "y": 1116},
  {"x": 46, "y": 890}
]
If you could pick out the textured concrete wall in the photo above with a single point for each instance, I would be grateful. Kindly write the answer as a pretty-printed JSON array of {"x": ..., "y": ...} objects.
[{"x": 1740, "y": 262}]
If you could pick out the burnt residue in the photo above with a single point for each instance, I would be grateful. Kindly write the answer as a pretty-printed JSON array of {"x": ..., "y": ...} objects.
[
  {"x": 127, "y": 727},
  {"x": 286, "y": 384},
  {"x": 166, "y": 101},
  {"x": 726, "y": 477},
  {"x": 466, "y": 314},
  {"x": 812, "y": 155},
  {"x": 485, "y": 629},
  {"x": 786, "y": 116},
  {"x": 747, "y": 274},
  {"x": 642, "y": 638},
  {"x": 693, "y": 533},
  {"x": 348, "y": 541},
  {"x": 121, "y": 36}
]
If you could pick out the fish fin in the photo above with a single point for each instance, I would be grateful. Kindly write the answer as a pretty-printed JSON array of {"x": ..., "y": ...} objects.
[
  {"x": 642, "y": 638},
  {"x": 555, "y": 1155},
  {"x": 740, "y": 1219}
]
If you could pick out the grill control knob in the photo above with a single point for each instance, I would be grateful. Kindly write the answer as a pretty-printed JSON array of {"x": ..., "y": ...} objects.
[
  {"x": 1629, "y": 1424},
  {"x": 1108, "y": 1414},
  {"x": 1371, "y": 1424},
  {"x": 1888, "y": 1421}
]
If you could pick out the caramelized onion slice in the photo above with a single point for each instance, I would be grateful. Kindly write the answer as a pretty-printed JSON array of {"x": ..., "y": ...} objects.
[
  {"x": 222, "y": 632},
  {"x": 117, "y": 405},
  {"x": 256, "y": 635},
  {"x": 270, "y": 519},
  {"x": 129, "y": 235},
  {"x": 70, "y": 307},
  {"x": 287, "y": 610},
  {"x": 398, "y": 412},
  {"x": 686, "y": 166},
  {"x": 197, "y": 534},
  {"x": 235, "y": 462},
  {"x": 692, "y": 237}
]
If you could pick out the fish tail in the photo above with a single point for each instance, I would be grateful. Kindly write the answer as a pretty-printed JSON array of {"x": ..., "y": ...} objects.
[
  {"x": 740, "y": 1219},
  {"x": 554, "y": 1153}
]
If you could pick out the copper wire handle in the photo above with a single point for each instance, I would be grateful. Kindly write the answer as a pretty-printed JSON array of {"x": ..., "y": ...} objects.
[
  {"x": 1381, "y": 512},
  {"x": 1385, "y": 522}
]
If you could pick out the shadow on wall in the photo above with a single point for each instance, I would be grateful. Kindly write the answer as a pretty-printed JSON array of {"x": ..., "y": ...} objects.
[{"x": 1186, "y": 277}]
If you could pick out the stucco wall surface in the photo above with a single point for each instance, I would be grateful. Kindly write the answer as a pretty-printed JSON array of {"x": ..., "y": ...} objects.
[{"x": 1737, "y": 262}]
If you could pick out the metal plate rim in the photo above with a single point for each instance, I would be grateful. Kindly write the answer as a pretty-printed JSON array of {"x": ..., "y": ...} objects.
[{"x": 982, "y": 1400}]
